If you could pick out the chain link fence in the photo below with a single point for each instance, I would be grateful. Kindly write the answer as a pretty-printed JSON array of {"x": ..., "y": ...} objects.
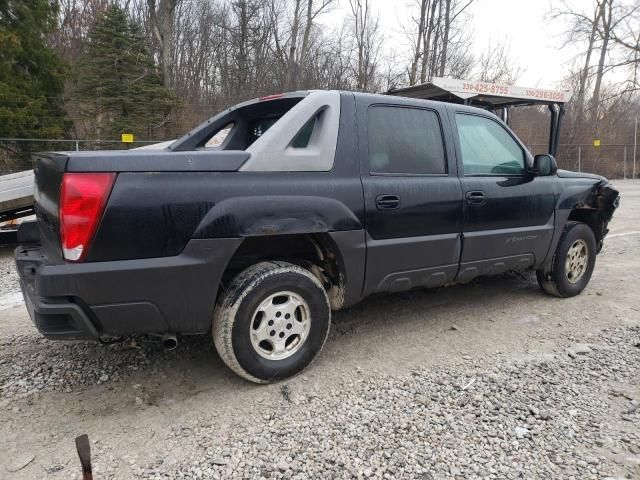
[
  {"x": 15, "y": 153},
  {"x": 611, "y": 161}
]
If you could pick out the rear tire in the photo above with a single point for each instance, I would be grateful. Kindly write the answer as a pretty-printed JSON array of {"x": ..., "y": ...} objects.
[
  {"x": 573, "y": 262},
  {"x": 271, "y": 322}
]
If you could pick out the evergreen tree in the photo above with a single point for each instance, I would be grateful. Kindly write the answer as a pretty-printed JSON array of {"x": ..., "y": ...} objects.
[
  {"x": 119, "y": 88},
  {"x": 31, "y": 75}
]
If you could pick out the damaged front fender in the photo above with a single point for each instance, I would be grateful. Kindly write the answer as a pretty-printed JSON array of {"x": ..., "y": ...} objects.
[
  {"x": 585, "y": 198},
  {"x": 595, "y": 207},
  {"x": 606, "y": 200}
]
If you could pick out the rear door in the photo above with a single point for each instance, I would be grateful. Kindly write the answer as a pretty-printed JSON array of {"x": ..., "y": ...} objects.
[
  {"x": 508, "y": 213},
  {"x": 413, "y": 199}
]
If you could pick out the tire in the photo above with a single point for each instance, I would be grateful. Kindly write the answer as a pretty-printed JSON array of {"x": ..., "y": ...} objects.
[
  {"x": 565, "y": 277},
  {"x": 250, "y": 317}
]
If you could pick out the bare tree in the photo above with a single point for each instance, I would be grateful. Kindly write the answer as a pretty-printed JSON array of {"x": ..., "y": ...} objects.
[
  {"x": 625, "y": 37},
  {"x": 607, "y": 30},
  {"x": 602, "y": 106},
  {"x": 301, "y": 25},
  {"x": 445, "y": 36},
  {"x": 162, "y": 14},
  {"x": 75, "y": 18},
  {"x": 366, "y": 36},
  {"x": 497, "y": 65},
  {"x": 417, "y": 41},
  {"x": 452, "y": 13},
  {"x": 433, "y": 35},
  {"x": 291, "y": 60},
  {"x": 605, "y": 23},
  {"x": 584, "y": 73}
]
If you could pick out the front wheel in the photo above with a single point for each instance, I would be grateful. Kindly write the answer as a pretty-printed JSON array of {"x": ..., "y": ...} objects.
[
  {"x": 572, "y": 264},
  {"x": 271, "y": 322}
]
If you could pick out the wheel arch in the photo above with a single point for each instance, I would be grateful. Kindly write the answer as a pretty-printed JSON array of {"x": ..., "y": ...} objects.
[
  {"x": 315, "y": 252},
  {"x": 270, "y": 215},
  {"x": 590, "y": 217}
]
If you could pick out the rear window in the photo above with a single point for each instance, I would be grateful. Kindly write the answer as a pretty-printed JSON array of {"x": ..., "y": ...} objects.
[
  {"x": 259, "y": 127},
  {"x": 405, "y": 140},
  {"x": 243, "y": 126}
]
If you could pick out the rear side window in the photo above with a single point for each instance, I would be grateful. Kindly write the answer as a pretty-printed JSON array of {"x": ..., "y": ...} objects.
[
  {"x": 487, "y": 148},
  {"x": 303, "y": 137},
  {"x": 218, "y": 139},
  {"x": 405, "y": 141}
]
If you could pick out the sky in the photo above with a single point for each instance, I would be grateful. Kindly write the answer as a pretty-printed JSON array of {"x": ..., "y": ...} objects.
[{"x": 534, "y": 39}]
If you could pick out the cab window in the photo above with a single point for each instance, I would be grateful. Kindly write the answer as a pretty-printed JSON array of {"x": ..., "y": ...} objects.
[
  {"x": 404, "y": 140},
  {"x": 487, "y": 148}
]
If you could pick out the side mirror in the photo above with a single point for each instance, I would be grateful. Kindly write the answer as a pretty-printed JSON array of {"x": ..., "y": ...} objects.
[{"x": 544, "y": 165}]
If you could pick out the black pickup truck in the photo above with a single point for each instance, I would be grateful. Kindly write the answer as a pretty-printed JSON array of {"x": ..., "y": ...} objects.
[{"x": 261, "y": 221}]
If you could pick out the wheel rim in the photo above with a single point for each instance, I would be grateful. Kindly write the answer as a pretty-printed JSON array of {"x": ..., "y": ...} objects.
[
  {"x": 280, "y": 325},
  {"x": 576, "y": 261}
]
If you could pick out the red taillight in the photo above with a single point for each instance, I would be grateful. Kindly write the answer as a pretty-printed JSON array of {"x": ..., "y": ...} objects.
[{"x": 82, "y": 200}]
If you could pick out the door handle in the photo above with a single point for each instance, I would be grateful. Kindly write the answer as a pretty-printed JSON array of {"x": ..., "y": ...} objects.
[
  {"x": 475, "y": 197},
  {"x": 387, "y": 202}
]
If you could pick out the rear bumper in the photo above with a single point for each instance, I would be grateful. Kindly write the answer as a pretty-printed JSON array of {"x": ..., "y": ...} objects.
[
  {"x": 89, "y": 300},
  {"x": 59, "y": 319}
]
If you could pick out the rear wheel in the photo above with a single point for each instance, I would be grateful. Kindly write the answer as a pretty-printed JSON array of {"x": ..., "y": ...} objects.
[
  {"x": 572, "y": 264},
  {"x": 271, "y": 322}
]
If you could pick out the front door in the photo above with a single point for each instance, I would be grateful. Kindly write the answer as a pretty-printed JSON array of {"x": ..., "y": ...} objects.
[
  {"x": 413, "y": 200},
  {"x": 508, "y": 218}
]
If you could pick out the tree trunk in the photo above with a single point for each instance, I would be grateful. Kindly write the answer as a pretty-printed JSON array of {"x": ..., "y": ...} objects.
[
  {"x": 427, "y": 42},
  {"x": 418, "y": 47},
  {"x": 243, "y": 61},
  {"x": 606, "y": 9},
  {"x": 365, "y": 36},
  {"x": 436, "y": 38},
  {"x": 584, "y": 74},
  {"x": 304, "y": 49},
  {"x": 291, "y": 61},
  {"x": 445, "y": 37},
  {"x": 362, "y": 83},
  {"x": 162, "y": 15}
]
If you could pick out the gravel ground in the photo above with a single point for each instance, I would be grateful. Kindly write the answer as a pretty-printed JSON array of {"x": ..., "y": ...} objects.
[
  {"x": 487, "y": 380},
  {"x": 574, "y": 414},
  {"x": 32, "y": 364},
  {"x": 8, "y": 275}
]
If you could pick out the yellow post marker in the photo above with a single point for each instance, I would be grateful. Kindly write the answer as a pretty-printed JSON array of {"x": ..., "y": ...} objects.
[
  {"x": 127, "y": 138},
  {"x": 596, "y": 143}
]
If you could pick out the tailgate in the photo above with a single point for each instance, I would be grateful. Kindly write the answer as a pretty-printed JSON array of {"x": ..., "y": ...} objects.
[{"x": 48, "y": 171}]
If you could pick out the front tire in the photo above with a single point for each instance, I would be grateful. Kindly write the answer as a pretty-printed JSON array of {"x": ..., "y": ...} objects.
[
  {"x": 271, "y": 322},
  {"x": 572, "y": 264}
]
